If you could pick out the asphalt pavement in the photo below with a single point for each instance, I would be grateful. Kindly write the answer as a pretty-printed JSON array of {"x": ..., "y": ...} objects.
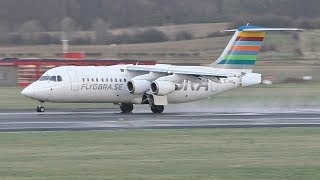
[{"x": 102, "y": 119}]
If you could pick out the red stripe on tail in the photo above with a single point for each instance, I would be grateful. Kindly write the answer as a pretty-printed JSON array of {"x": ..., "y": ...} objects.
[{"x": 249, "y": 38}]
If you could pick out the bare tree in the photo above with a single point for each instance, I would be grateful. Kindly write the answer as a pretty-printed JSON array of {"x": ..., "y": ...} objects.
[
  {"x": 31, "y": 26},
  {"x": 220, "y": 6},
  {"x": 184, "y": 35},
  {"x": 101, "y": 30},
  {"x": 68, "y": 25},
  {"x": 30, "y": 29}
]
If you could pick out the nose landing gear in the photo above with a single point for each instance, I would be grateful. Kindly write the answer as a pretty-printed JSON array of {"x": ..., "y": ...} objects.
[{"x": 40, "y": 108}]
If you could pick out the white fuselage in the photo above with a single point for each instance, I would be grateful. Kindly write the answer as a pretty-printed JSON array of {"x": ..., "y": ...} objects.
[{"x": 108, "y": 84}]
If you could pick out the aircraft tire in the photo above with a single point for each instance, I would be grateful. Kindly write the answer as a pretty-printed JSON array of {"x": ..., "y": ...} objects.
[
  {"x": 40, "y": 109},
  {"x": 126, "y": 108},
  {"x": 157, "y": 109}
]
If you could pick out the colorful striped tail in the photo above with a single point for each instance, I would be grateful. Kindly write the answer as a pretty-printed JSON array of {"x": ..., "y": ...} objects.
[
  {"x": 242, "y": 51},
  {"x": 245, "y": 49}
]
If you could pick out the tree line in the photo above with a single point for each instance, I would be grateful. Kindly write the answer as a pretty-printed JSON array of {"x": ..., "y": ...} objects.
[
  {"x": 32, "y": 21},
  {"x": 124, "y": 13}
]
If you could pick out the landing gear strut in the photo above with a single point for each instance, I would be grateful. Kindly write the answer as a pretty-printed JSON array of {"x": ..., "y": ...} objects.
[
  {"x": 157, "y": 108},
  {"x": 40, "y": 108},
  {"x": 148, "y": 99},
  {"x": 126, "y": 108}
]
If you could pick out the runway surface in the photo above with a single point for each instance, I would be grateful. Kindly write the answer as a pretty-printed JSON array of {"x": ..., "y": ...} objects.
[{"x": 72, "y": 120}]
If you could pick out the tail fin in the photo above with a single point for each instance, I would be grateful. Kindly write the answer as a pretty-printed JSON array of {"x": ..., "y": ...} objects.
[{"x": 242, "y": 51}]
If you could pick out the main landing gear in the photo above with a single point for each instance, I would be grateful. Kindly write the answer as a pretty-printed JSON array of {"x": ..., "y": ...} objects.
[
  {"x": 126, "y": 108},
  {"x": 148, "y": 99},
  {"x": 157, "y": 109},
  {"x": 40, "y": 108}
]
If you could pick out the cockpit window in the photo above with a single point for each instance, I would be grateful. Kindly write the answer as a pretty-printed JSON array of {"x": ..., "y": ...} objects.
[
  {"x": 60, "y": 78},
  {"x": 53, "y": 78},
  {"x": 44, "y": 78}
]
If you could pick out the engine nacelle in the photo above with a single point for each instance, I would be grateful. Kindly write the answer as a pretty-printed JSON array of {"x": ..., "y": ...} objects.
[
  {"x": 250, "y": 79},
  {"x": 162, "y": 88},
  {"x": 138, "y": 86}
]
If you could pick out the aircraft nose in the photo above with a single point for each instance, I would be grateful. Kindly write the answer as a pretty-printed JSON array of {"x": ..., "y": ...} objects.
[{"x": 28, "y": 91}]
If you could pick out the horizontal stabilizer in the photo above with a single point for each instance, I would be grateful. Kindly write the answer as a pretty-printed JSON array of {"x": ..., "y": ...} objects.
[
  {"x": 271, "y": 29},
  {"x": 260, "y": 29}
]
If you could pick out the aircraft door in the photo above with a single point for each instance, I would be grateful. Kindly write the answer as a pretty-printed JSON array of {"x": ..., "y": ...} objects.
[
  {"x": 74, "y": 80},
  {"x": 214, "y": 86}
]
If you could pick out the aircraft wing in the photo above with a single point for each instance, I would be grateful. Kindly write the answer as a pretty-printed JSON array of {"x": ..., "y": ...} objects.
[{"x": 198, "y": 71}]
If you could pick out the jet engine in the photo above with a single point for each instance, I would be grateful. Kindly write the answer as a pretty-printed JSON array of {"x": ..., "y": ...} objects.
[
  {"x": 162, "y": 88},
  {"x": 138, "y": 86}
]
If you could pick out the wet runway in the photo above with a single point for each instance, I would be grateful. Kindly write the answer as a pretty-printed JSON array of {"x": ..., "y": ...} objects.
[{"x": 101, "y": 119}]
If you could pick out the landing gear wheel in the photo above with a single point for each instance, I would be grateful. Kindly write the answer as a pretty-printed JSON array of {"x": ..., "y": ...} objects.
[
  {"x": 40, "y": 109},
  {"x": 157, "y": 108},
  {"x": 126, "y": 108}
]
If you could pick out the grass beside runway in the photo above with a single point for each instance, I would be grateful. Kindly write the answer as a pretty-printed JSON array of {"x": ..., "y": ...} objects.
[{"x": 257, "y": 153}]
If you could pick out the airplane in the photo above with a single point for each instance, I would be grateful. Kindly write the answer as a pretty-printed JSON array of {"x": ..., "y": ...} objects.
[{"x": 155, "y": 85}]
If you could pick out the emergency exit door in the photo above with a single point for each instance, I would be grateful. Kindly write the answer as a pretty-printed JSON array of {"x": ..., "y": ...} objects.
[{"x": 74, "y": 80}]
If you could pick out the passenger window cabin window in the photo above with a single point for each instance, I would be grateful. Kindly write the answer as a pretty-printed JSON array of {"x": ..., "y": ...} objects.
[
  {"x": 111, "y": 79},
  {"x": 120, "y": 80},
  {"x": 60, "y": 78},
  {"x": 124, "y": 80},
  {"x": 122, "y": 70},
  {"x": 92, "y": 79},
  {"x": 102, "y": 79},
  {"x": 53, "y": 78},
  {"x": 88, "y": 79},
  {"x": 83, "y": 80},
  {"x": 106, "y": 79},
  {"x": 115, "y": 80},
  {"x": 97, "y": 79}
]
